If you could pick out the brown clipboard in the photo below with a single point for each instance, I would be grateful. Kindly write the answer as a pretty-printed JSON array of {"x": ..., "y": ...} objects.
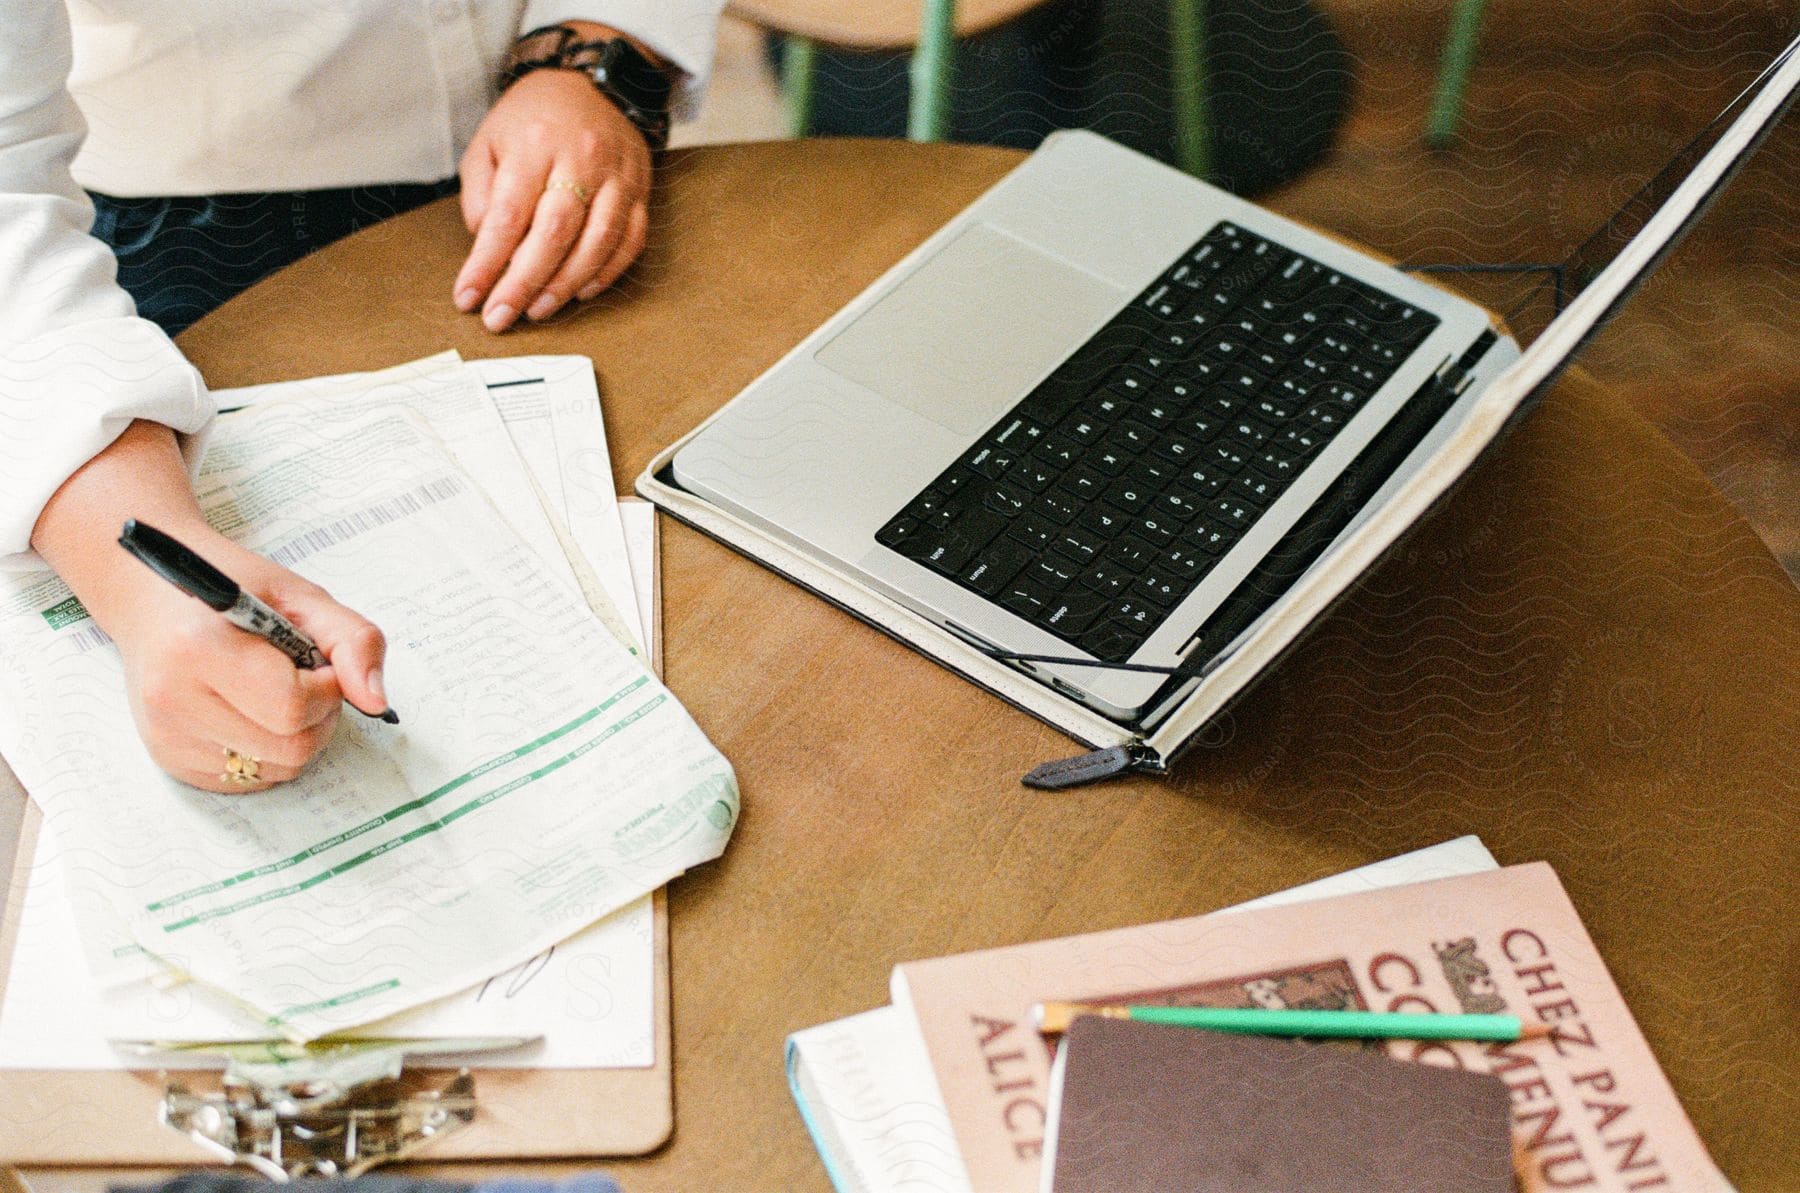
[{"x": 111, "y": 1117}]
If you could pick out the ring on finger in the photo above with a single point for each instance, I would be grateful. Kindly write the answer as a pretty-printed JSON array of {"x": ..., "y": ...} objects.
[
  {"x": 569, "y": 184},
  {"x": 239, "y": 768}
]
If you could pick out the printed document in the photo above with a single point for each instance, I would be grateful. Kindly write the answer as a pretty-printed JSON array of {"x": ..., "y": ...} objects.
[{"x": 542, "y": 777}]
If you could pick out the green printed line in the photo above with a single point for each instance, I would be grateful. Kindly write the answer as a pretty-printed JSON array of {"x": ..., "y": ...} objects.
[
  {"x": 65, "y": 612},
  {"x": 423, "y": 830},
  {"x": 326, "y": 1004},
  {"x": 399, "y": 811}
]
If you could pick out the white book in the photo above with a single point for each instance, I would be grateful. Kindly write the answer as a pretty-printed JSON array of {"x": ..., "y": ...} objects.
[{"x": 869, "y": 1098}]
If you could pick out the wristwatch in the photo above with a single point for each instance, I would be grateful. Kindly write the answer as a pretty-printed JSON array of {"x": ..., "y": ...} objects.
[{"x": 619, "y": 70}]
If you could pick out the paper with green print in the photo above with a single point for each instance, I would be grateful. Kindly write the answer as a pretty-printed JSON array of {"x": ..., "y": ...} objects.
[{"x": 540, "y": 779}]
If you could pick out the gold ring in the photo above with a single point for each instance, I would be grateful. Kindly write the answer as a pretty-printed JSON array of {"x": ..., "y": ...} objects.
[
  {"x": 239, "y": 768},
  {"x": 565, "y": 184}
]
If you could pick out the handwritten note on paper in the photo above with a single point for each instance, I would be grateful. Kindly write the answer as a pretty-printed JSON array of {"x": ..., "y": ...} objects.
[{"x": 542, "y": 778}]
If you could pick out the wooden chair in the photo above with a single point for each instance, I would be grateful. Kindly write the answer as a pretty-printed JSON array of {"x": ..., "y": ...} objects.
[{"x": 929, "y": 28}]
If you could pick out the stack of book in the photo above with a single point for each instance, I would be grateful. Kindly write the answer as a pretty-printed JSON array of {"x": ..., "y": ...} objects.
[{"x": 952, "y": 1088}]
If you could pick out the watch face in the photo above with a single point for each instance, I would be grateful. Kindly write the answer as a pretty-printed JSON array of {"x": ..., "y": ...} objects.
[{"x": 638, "y": 81}]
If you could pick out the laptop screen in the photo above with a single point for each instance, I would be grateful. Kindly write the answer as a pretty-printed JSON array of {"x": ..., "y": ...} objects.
[{"x": 1555, "y": 285}]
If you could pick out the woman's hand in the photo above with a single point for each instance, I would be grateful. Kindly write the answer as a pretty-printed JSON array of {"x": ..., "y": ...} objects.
[
  {"x": 538, "y": 241},
  {"x": 200, "y": 686}
]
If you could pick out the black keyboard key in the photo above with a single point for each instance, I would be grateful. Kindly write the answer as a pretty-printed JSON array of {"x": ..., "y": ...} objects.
[
  {"x": 992, "y": 462},
  {"x": 1130, "y": 439},
  {"x": 1027, "y": 597},
  {"x": 1203, "y": 480},
  {"x": 995, "y": 566},
  {"x": 1033, "y": 532},
  {"x": 1300, "y": 442},
  {"x": 1383, "y": 355},
  {"x": 1231, "y": 513},
  {"x": 1225, "y": 347},
  {"x": 1083, "y": 484},
  {"x": 1103, "y": 520},
  {"x": 1165, "y": 302},
  {"x": 1052, "y": 572},
  {"x": 1078, "y": 544},
  {"x": 1244, "y": 381},
  {"x": 1185, "y": 562},
  {"x": 1178, "y": 448},
  {"x": 1085, "y": 425},
  {"x": 1057, "y": 452},
  {"x": 1155, "y": 413},
  {"x": 927, "y": 503},
  {"x": 1137, "y": 615},
  {"x": 1183, "y": 507},
  {"x": 947, "y": 557},
  {"x": 1177, "y": 341},
  {"x": 1225, "y": 456},
  {"x": 1162, "y": 589},
  {"x": 1073, "y": 611},
  {"x": 1247, "y": 434},
  {"x": 1106, "y": 460},
  {"x": 1202, "y": 426},
  {"x": 1276, "y": 464},
  {"x": 1155, "y": 529},
  {"x": 1209, "y": 539},
  {"x": 1102, "y": 411},
  {"x": 1005, "y": 500},
  {"x": 1326, "y": 417},
  {"x": 1254, "y": 489},
  {"x": 1108, "y": 578},
  {"x": 1055, "y": 507},
  {"x": 1133, "y": 383},
  {"x": 1272, "y": 411},
  {"x": 898, "y": 531},
  {"x": 1134, "y": 555},
  {"x": 1128, "y": 495},
  {"x": 957, "y": 479},
  {"x": 1031, "y": 476}
]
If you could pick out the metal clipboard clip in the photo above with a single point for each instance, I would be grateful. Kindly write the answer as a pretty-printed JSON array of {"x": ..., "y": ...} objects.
[{"x": 326, "y": 1109}]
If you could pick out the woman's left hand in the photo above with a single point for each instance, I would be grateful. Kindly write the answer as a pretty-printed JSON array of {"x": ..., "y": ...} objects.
[{"x": 556, "y": 189}]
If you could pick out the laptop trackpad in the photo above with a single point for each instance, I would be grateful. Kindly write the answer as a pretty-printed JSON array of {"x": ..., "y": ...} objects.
[{"x": 969, "y": 333}]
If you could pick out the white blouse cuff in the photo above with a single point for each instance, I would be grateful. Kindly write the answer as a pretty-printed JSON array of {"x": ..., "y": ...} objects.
[{"x": 67, "y": 394}]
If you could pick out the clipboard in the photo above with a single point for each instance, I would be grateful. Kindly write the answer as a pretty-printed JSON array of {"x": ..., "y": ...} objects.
[{"x": 114, "y": 1117}]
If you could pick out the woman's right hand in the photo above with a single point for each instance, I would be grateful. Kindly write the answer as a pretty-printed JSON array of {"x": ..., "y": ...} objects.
[{"x": 199, "y": 686}]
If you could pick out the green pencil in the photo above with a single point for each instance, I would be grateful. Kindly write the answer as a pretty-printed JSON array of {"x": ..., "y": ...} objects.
[{"x": 1053, "y": 1019}]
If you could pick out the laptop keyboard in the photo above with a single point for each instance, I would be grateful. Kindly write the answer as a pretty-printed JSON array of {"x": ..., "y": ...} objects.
[{"x": 1103, "y": 499}]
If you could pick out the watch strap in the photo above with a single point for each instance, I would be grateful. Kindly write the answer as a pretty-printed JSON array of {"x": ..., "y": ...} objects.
[{"x": 618, "y": 70}]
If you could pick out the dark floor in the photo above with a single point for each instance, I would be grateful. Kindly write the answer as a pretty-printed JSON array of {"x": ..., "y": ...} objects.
[{"x": 1567, "y": 113}]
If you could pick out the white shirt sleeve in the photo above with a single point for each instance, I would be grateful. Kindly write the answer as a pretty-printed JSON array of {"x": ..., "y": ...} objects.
[
  {"x": 684, "y": 31},
  {"x": 76, "y": 363}
]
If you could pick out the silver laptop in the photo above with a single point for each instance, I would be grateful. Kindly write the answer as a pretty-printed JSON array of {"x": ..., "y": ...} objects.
[{"x": 1097, "y": 423}]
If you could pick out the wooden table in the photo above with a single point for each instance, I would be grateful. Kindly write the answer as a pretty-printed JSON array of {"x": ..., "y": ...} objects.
[{"x": 1587, "y": 658}]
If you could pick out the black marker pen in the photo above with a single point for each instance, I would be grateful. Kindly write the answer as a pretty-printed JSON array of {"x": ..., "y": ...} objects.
[{"x": 207, "y": 584}]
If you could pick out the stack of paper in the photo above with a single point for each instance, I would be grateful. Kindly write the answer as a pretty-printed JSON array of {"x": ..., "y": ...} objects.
[{"x": 542, "y": 783}]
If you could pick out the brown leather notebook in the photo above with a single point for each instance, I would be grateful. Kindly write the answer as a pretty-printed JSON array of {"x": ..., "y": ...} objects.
[{"x": 1141, "y": 1106}]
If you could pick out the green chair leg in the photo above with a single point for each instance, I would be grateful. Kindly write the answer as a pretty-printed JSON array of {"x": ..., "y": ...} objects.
[
  {"x": 1453, "y": 74},
  {"x": 1188, "y": 86},
  {"x": 928, "y": 117},
  {"x": 799, "y": 67}
]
